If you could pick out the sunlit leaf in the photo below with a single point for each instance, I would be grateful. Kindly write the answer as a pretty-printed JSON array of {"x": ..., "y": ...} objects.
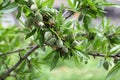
[
  {"x": 10, "y": 8},
  {"x": 113, "y": 71}
]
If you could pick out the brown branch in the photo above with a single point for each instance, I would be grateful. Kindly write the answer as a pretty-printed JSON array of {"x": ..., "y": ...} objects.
[
  {"x": 19, "y": 50},
  {"x": 66, "y": 15},
  {"x": 103, "y": 55},
  {"x": 18, "y": 63}
]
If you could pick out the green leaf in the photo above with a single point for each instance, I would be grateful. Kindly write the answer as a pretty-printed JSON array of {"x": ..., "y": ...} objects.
[
  {"x": 41, "y": 37},
  {"x": 50, "y": 55},
  {"x": 22, "y": 66},
  {"x": 81, "y": 53},
  {"x": 106, "y": 65},
  {"x": 60, "y": 11},
  {"x": 86, "y": 21},
  {"x": 70, "y": 3},
  {"x": 19, "y": 12},
  {"x": 5, "y": 3},
  {"x": 1, "y": 1},
  {"x": 10, "y": 8},
  {"x": 48, "y": 3},
  {"x": 115, "y": 49},
  {"x": 54, "y": 61},
  {"x": 30, "y": 34},
  {"x": 113, "y": 71},
  {"x": 77, "y": 60}
]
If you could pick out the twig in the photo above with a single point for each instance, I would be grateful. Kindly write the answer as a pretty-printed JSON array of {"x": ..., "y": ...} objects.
[
  {"x": 18, "y": 63},
  {"x": 19, "y": 50},
  {"x": 68, "y": 15},
  {"x": 102, "y": 55}
]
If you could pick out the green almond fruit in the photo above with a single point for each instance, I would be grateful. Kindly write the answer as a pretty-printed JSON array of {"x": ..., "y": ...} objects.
[
  {"x": 59, "y": 43},
  {"x": 47, "y": 35},
  {"x": 39, "y": 17},
  {"x": 52, "y": 41},
  {"x": 65, "y": 49},
  {"x": 29, "y": 22}
]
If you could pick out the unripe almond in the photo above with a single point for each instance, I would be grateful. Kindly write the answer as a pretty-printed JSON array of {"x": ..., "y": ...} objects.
[
  {"x": 59, "y": 43},
  {"x": 47, "y": 35},
  {"x": 39, "y": 17},
  {"x": 65, "y": 49},
  {"x": 28, "y": 22},
  {"x": 52, "y": 41}
]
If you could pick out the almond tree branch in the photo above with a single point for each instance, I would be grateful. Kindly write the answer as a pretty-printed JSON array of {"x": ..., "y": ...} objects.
[
  {"x": 19, "y": 50},
  {"x": 103, "y": 55},
  {"x": 18, "y": 63},
  {"x": 68, "y": 14}
]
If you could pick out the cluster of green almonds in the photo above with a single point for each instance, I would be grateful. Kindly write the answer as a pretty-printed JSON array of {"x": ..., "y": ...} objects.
[
  {"x": 36, "y": 19},
  {"x": 51, "y": 40}
]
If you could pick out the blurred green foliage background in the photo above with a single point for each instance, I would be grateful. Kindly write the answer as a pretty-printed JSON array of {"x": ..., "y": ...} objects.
[{"x": 67, "y": 70}]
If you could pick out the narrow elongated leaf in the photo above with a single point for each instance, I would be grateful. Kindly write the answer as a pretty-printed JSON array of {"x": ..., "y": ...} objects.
[
  {"x": 106, "y": 65},
  {"x": 48, "y": 3},
  {"x": 19, "y": 12},
  {"x": 81, "y": 53},
  {"x": 86, "y": 21},
  {"x": 60, "y": 11},
  {"x": 77, "y": 60},
  {"x": 30, "y": 34},
  {"x": 10, "y": 8},
  {"x": 54, "y": 61},
  {"x": 113, "y": 71},
  {"x": 115, "y": 49},
  {"x": 6, "y": 2},
  {"x": 50, "y": 55},
  {"x": 70, "y": 3},
  {"x": 1, "y": 1},
  {"x": 41, "y": 38}
]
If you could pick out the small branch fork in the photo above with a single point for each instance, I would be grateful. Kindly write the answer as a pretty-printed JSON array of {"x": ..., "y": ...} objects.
[{"x": 18, "y": 63}]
